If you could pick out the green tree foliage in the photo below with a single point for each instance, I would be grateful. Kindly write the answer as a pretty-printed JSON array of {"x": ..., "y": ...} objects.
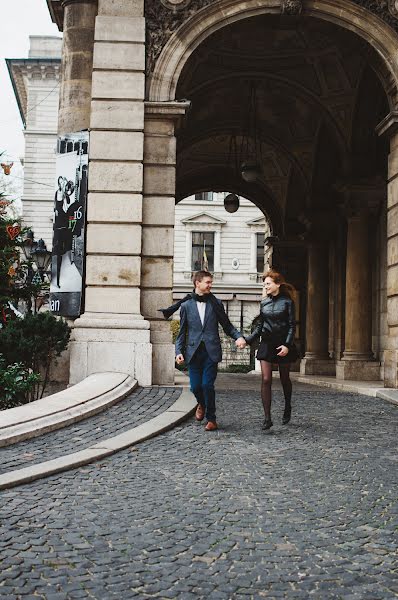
[{"x": 28, "y": 342}]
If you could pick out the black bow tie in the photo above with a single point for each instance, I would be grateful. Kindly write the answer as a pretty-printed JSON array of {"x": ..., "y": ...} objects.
[{"x": 203, "y": 298}]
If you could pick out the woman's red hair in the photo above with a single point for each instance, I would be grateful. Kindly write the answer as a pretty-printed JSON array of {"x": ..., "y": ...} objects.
[{"x": 286, "y": 288}]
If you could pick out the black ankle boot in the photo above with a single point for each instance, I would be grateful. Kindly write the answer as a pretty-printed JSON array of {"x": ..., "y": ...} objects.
[
  {"x": 267, "y": 424},
  {"x": 286, "y": 415}
]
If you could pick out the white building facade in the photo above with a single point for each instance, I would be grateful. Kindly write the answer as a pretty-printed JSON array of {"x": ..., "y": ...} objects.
[{"x": 36, "y": 85}]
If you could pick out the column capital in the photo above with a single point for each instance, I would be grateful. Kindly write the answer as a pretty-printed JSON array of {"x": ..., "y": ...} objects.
[
  {"x": 56, "y": 9},
  {"x": 389, "y": 125},
  {"x": 173, "y": 110},
  {"x": 320, "y": 225},
  {"x": 361, "y": 197},
  {"x": 271, "y": 240}
]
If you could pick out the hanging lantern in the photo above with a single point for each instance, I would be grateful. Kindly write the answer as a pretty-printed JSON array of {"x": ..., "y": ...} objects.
[
  {"x": 250, "y": 171},
  {"x": 231, "y": 203},
  {"x": 41, "y": 256}
]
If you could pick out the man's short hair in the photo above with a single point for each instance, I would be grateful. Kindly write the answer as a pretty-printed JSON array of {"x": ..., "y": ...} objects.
[{"x": 199, "y": 275}]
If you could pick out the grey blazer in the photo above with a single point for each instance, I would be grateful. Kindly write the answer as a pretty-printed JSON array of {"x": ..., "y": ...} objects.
[{"x": 192, "y": 332}]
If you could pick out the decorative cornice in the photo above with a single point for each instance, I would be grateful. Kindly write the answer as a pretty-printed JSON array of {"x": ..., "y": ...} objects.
[
  {"x": 56, "y": 9},
  {"x": 23, "y": 69},
  {"x": 387, "y": 10},
  {"x": 208, "y": 219},
  {"x": 175, "y": 111},
  {"x": 291, "y": 7},
  {"x": 57, "y": 12}
]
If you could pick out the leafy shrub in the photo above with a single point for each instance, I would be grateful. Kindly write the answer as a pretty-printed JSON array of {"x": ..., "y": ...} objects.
[
  {"x": 35, "y": 341},
  {"x": 17, "y": 383},
  {"x": 175, "y": 328},
  {"x": 236, "y": 368}
]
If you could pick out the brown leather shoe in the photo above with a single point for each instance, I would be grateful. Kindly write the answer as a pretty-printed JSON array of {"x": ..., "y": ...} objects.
[
  {"x": 211, "y": 426},
  {"x": 200, "y": 412}
]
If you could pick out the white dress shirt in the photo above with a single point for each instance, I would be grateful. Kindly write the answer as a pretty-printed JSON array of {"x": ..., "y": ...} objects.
[{"x": 201, "y": 309}]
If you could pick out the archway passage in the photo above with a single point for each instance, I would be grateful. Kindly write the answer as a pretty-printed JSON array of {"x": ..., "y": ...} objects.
[
  {"x": 232, "y": 245},
  {"x": 323, "y": 75},
  {"x": 320, "y": 92}
]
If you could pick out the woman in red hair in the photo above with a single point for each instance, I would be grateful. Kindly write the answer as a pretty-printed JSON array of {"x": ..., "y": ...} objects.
[{"x": 276, "y": 328}]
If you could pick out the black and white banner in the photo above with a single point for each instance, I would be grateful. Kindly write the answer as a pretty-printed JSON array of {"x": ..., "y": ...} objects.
[{"x": 70, "y": 200}]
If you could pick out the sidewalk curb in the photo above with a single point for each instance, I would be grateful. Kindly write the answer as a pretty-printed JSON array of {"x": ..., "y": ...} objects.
[
  {"x": 390, "y": 395},
  {"x": 183, "y": 408},
  {"x": 94, "y": 394},
  {"x": 355, "y": 387}
]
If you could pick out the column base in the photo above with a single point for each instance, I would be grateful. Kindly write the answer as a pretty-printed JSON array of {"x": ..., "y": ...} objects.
[
  {"x": 358, "y": 370},
  {"x": 391, "y": 368},
  {"x": 163, "y": 353},
  {"x": 317, "y": 366},
  {"x": 111, "y": 342}
]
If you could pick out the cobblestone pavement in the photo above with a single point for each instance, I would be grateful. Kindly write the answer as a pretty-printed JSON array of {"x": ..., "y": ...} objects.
[
  {"x": 140, "y": 406},
  {"x": 305, "y": 511}
]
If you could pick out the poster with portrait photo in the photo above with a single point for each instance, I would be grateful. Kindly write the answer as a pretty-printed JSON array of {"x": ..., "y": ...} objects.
[{"x": 70, "y": 198}]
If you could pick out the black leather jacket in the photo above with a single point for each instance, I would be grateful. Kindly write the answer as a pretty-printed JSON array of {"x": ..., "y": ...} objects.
[{"x": 277, "y": 321}]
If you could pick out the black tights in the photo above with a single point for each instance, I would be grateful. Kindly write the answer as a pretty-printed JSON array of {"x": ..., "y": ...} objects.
[{"x": 266, "y": 385}]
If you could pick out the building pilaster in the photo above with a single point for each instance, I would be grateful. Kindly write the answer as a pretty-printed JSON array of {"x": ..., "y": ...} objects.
[
  {"x": 112, "y": 334},
  {"x": 158, "y": 230},
  {"x": 389, "y": 127}
]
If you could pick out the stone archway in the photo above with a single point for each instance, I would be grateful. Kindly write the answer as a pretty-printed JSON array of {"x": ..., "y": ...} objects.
[
  {"x": 202, "y": 22},
  {"x": 134, "y": 157},
  {"x": 163, "y": 84}
]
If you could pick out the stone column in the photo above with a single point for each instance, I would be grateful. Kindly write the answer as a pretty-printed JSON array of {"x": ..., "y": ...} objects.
[
  {"x": 76, "y": 66},
  {"x": 390, "y": 127},
  {"x": 357, "y": 362},
  {"x": 112, "y": 335},
  {"x": 158, "y": 230},
  {"x": 337, "y": 292},
  {"x": 316, "y": 360}
]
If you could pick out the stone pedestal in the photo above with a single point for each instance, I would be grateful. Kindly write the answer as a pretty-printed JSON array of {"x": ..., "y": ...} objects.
[
  {"x": 317, "y": 366},
  {"x": 358, "y": 370},
  {"x": 105, "y": 342},
  {"x": 316, "y": 360},
  {"x": 391, "y": 368}
]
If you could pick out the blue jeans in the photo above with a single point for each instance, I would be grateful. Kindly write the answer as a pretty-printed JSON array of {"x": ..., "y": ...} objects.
[{"x": 202, "y": 375}]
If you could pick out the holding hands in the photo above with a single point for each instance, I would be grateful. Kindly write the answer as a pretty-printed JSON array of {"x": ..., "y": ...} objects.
[{"x": 240, "y": 343}]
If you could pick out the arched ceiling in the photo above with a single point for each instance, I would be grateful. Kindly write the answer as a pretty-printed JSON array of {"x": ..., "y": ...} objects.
[{"x": 317, "y": 86}]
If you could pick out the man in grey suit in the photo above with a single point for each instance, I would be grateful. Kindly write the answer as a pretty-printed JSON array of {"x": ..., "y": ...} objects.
[{"x": 198, "y": 344}]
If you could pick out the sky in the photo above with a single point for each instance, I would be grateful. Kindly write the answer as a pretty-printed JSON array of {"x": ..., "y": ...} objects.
[{"x": 18, "y": 20}]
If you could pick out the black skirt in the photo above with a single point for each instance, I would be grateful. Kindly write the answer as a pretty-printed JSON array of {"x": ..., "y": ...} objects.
[{"x": 267, "y": 351}]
